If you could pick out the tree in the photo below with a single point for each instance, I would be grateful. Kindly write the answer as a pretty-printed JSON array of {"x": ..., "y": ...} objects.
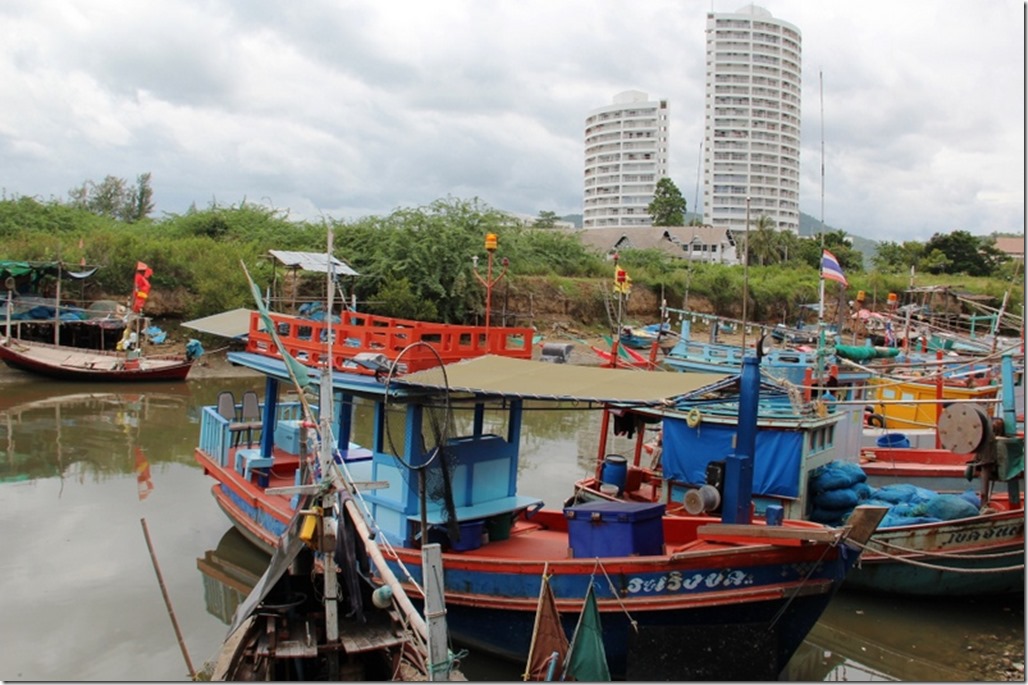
[
  {"x": 762, "y": 241},
  {"x": 892, "y": 257},
  {"x": 113, "y": 198},
  {"x": 964, "y": 254},
  {"x": 839, "y": 244},
  {"x": 668, "y": 205},
  {"x": 546, "y": 220}
]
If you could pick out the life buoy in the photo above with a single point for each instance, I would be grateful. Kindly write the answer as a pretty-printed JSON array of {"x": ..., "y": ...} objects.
[
  {"x": 693, "y": 418},
  {"x": 876, "y": 420}
]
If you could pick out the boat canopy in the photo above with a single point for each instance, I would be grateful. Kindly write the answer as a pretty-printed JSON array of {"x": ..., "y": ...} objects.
[
  {"x": 233, "y": 324},
  {"x": 503, "y": 376},
  {"x": 37, "y": 270},
  {"x": 496, "y": 376}
]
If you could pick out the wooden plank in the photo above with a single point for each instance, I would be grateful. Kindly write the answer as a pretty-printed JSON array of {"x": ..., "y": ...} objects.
[{"x": 772, "y": 535}]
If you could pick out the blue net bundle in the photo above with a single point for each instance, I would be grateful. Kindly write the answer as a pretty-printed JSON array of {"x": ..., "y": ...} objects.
[{"x": 839, "y": 487}]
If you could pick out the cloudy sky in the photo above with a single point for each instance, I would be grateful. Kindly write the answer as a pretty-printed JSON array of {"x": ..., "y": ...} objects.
[{"x": 355, "y": 108}]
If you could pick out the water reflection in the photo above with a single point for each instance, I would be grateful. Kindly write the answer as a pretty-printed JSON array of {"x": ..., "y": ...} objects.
[
  {"x": 46, "y": 433},
  {"x": 229, "y": 572}
]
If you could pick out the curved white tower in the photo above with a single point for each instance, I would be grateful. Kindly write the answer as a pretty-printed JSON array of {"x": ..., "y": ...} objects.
[
  {"x": 626, "y": 153},
  {"x": 752, "y": 133}
]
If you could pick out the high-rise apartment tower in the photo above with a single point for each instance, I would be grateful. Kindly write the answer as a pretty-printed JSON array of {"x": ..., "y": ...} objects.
[
  {"x": 752, "y": 132},
  {"x": 626, "y": 153}
]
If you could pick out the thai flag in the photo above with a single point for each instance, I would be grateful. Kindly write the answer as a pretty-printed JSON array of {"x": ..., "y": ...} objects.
[{"x": 830, "y": 268}]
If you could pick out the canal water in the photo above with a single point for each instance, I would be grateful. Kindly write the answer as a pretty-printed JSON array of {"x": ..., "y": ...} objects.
[{"x": 86, "y": 472}]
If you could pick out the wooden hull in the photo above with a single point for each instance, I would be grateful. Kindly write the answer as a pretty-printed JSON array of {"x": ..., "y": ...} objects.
[
  {"x": 73, "y": 364},
  {"x": 966, "y": 557},
  {"x": 698, "y": 585},
  {"x": 935, "y": 469}
]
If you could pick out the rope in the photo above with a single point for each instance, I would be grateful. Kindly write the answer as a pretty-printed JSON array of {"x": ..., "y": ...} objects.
[
  {"x": 939, "y": 567},
  {"x": 796, "y": 592},
  {"x": 614, "y": 593},
  {"x": 951, "y": 555}
]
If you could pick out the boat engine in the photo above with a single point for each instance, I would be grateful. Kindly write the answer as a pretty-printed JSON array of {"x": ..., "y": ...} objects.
[{"x": 707, "y": 498}]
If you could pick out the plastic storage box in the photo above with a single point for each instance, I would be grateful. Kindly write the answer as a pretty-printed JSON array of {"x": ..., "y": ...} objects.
[
  {"x": 615, "y": 529},
  {"x": 287, "y": 436}
]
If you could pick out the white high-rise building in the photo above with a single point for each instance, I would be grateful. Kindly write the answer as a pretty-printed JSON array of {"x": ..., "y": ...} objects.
[
  {"x": 626, "y": 153},
  {"x": 752, "y": 133}
]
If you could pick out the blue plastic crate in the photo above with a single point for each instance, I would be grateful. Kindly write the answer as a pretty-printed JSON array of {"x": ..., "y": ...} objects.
[
  {"x": 470, "y": 536},
  {"x": 287, "y": 436},
  {"x": 615, "y": 529}
]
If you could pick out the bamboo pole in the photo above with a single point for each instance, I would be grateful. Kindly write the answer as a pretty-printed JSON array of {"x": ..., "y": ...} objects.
[{"x": 167, "y": 601}]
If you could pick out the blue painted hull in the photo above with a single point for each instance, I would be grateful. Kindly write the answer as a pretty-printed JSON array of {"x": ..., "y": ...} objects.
[
  {"x": 494, "y": 610},
  {"x": 950, "y": 558},
  {"x": 507, "y": 635}
]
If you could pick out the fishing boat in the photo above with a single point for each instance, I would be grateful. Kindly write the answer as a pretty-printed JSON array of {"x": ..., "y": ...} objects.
[
  {"x": 645, "y": 337},
  {"x": 696, "y": 356},
  {"x": 445, "y": 445},
  {"x": 981, "y": 552},
  {"x": 78, "y": 364},
  {"x": 68, "y": 361},
  {"x": 315, "y": 614}
]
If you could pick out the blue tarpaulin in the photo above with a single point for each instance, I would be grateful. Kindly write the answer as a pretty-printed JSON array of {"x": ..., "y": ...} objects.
[{"x": 687, "y": 451}]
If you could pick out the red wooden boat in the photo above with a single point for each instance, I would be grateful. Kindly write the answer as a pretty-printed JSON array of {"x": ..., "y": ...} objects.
[{"x": 78, "y": 364}]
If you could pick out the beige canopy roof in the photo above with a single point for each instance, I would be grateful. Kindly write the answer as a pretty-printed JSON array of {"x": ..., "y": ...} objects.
[
  {"x": 230, "y": 324},
  {"x": 491, "y": 374}
]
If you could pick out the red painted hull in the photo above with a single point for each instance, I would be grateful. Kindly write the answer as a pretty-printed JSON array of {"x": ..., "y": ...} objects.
[{"x": 104, "y": 369}]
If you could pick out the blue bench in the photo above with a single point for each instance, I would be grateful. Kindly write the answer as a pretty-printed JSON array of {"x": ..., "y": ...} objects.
[{"x": 492, "y": 507}]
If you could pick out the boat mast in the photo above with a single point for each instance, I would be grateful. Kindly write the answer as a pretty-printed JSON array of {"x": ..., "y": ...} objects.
[
  {"x": 821, "y": 308},
  {"x": 325, "y": 456}
]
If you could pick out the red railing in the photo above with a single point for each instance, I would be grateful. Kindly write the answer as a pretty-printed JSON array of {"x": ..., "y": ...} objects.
[{"x": 305, "y": 340}]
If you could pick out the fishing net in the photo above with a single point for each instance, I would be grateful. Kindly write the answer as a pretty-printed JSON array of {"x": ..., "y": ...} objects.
[
  {"x": 839, "y": 487},
  {"x": 428, "y": 464}
]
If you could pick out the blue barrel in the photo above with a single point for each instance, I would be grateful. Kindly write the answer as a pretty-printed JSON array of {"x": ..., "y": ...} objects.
[
  {"x": 893, "y": 440},
  {"x": 615, "y": 471}
]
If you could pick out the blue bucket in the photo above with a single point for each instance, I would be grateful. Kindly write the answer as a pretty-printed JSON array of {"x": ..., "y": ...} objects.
[
  {"x": 615, "y": 471},
  {"x": 893, "y": 440}
]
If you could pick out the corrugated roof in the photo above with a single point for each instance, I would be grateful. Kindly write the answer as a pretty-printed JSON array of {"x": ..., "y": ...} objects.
[
  {"x": 494, "y": 375},
  {"x": 312, "y": 261}
]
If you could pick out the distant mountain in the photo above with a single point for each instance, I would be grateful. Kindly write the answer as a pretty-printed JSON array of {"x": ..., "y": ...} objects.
[{"x": 810, "y": 226}]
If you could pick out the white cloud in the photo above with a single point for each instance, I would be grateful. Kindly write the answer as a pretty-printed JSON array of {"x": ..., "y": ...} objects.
[{"x": 354, "y": 108}]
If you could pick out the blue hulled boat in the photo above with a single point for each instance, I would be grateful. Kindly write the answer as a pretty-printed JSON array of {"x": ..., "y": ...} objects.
[{"x": 442, "y": 466}]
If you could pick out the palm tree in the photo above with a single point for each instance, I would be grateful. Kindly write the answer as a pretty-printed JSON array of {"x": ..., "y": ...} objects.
[{"x": 763, "y": 240}]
